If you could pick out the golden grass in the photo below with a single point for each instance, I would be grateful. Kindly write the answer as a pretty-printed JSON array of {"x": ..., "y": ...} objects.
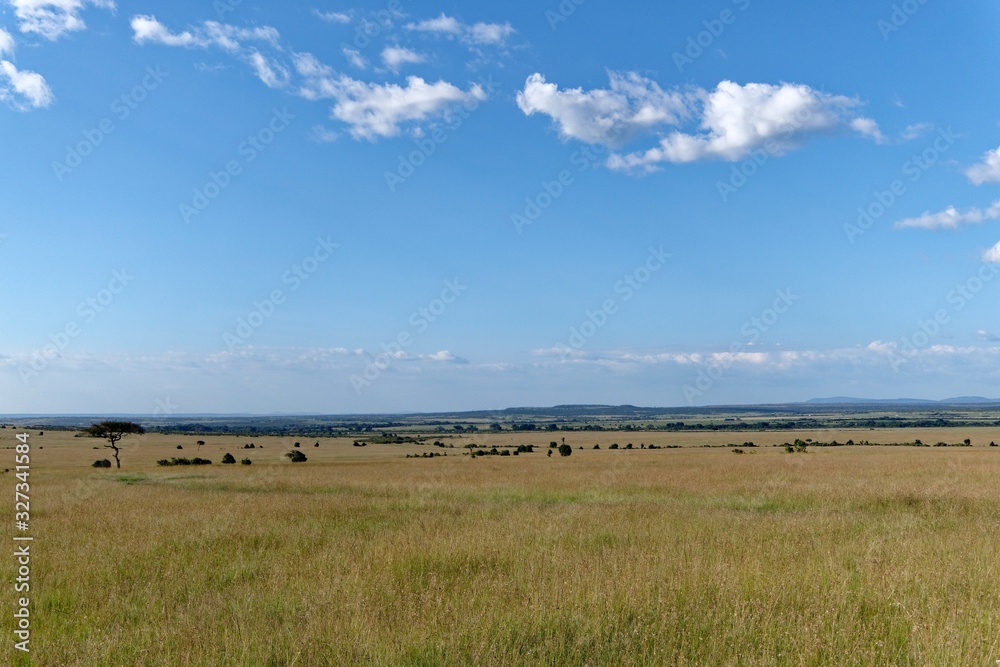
[{"x": 864, "y": 556}]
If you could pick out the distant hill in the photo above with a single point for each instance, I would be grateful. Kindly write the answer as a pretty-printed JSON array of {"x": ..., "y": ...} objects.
[{"x": 848, "y": 400}]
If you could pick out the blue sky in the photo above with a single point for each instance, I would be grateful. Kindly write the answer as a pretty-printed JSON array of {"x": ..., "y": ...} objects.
[{"x": 320, "y": 207}]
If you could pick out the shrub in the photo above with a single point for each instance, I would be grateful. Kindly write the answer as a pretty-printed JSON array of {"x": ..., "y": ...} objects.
[
  {"x": 184, "y": 462},
  {"x": 525, "y": 449},
  {"x": 628, "y": 446},
  {"x": 316, "y": 445},
  {"x": 296, "y": 444},
  {"x": 614, "y": 445},
  {"x": 993, "y": 444},
  {"x": 505, "y": 452},
  {"x": 597, "y": 446},
  {"x": 101, "y": 463},
  {"x": 789, "y": 449},
  {"x": 296, "y": 457},
  {"x": 737, "y": 451},
  {"x": 565, "y": 450},
  {"x": 228, "y": 458},
  {"x": 180, "y": 446},
  {"x": 246, "y": 462},
  {"x": 553, "y": 445}
]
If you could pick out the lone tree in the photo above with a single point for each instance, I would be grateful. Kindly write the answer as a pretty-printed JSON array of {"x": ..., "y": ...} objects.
[{"x": 113, "y": 431}]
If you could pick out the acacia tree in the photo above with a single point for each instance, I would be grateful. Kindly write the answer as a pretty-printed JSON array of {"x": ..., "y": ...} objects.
[{"x": 113, "y": 432}]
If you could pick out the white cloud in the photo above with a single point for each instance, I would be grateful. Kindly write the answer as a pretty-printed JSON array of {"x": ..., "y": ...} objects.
[
  {"x": 444, "y": 357},
  {"x": 374, "y": 110},
  {"x": 951, "y": 218},
  {"x": 6, "y": 43},
  {"x": 631, "y": 105},
  {"x": 333, "y": 17},
  {"x": 736, "y": 120},
  {"x": 271, "y": 73},
  {"x": 987, "y": 171},
  {"x": 493, "y": 34},
  {"x": 53, "y": 18},
  {"x": 323, "y": 135},
  {"x": 443, "y": 23},
  {"x": 395, "y": 56},
  {"x": 23, "y": 90},
  {"x": 915, "y": 130},
  {"x": 355, "y": 58},
  {"x": 992, "y": 255},
  {"x": 147, "y": 29},
  {"x": 731, "y": 122},
  {"x": 868, "y": 128},
  {"x": 489, "y": 33}
]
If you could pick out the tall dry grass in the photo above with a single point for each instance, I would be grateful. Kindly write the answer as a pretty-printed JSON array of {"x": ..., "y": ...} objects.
[{"x": 873, "y": 556}]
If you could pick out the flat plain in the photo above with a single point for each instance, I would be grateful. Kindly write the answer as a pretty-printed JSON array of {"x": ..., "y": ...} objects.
[{"x": 684, "y": 556}]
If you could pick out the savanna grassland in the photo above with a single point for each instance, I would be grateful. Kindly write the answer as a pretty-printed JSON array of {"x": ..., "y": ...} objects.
[{"x": 361, "y": 556}]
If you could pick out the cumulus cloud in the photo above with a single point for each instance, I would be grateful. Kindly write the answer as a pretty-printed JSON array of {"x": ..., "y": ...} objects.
[
  {"x": 371, "y": 110},
  {"x": 951, "y": 218},
  {"x": 736, "y": 120},
  {"x": 374, "y": 110},
  {"x": 6, "y": 43},
  {"x": 377, "y": 110},
  {"x": 23, "y": 90},
  {"x": 396, "y": 56},
  {"x": 992, "y": 255},
  {"x": 987, "y": 171},
  {"x": 631, "y": 105},
  {"x": 53, "y": 18},
  {"x": 492, "y": 34},
  {"x": 729, "y": 122}
]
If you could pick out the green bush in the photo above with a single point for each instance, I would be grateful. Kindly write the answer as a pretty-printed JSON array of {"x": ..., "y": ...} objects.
[
  {"x": 246, "y": 462},
  {"x": 296, "y": 456},
  {"x": 565, "y": 450},
  {"x": 228, "y": 458},
  {"x": 101, "y": 463}
]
